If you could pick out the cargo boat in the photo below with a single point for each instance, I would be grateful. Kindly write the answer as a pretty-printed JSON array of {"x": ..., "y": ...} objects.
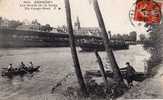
[{"x": 99, "y": 46}]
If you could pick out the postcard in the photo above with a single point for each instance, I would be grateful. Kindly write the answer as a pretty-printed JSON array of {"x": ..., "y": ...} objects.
[{"x": 81, "y": 49}]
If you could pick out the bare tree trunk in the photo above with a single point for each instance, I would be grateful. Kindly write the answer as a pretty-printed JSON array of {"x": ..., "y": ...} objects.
[
  {"x": 73, "y": 49},
  {"x": 110, "y": 55}
]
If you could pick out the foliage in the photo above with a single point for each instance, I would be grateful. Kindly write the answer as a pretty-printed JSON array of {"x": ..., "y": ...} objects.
[
  {"x": 142, "y": 37},
  {"x": 133, "y": 35},
  {"x": 153, "y": 36},
  {"x": 46, "y": 28},
  {"x": 63, "y": 28},
  {"x": 0, "y": 19}
]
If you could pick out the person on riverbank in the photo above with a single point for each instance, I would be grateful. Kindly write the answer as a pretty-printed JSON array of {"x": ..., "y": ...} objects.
[{"x": 130, "y": 72}]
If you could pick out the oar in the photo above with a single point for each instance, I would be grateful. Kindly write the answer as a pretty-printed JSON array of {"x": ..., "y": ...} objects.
[{"x": 4, "y": 68}]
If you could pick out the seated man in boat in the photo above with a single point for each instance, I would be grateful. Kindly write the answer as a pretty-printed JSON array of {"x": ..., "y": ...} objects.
[
  {"x": 22, "y": 66},
  {"x": 10, "y": 68},
  {"x": 31, "y": 65},
  {"x": 130, "y": 72}
]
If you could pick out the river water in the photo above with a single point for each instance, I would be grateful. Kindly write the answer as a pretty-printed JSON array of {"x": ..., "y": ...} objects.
[{"x": 55, "y": 64}]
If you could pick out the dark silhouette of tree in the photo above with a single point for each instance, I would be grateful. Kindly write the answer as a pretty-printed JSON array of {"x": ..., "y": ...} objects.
[
  {"x": 62, "y": 28},
  {"x": 126, "y": 37},
  {"x": 154, "y": 36},
  {"x": 142, "y": 37},
  {"x": 114, "y": 36},
  {"x": 1, "y": 20},
  {"x": 133, "y": 36},
  {"x": 46, "y": 28},
  {"x": 119, "y": 37}
]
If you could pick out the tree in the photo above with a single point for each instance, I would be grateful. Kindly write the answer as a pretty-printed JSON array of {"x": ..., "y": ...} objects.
[
  {"x": 142, "y": 37},
  {"x": 133, "y": 36},
  {"x": 46, "y": 28},
  {"x": 125, "y": 37},
  {"x": 114, "y": 36},
  {"x": 119, "y": 37},
  {"x": 62, "y": 28},
  {"x": 154, "y": 36},
  {"x": 0, "y": 20}
]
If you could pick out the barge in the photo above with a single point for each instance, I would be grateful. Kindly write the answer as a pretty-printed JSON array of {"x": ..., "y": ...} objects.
[{"x": 99, "y": 46}]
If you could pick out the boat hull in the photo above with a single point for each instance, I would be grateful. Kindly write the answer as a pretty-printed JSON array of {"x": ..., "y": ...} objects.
[
  {"x": 7, "y": 73},
  {"x": 100, "y": 47}
]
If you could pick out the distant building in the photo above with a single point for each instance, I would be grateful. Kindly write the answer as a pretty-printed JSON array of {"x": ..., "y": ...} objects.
[
  {"x": 94, "y": 31},
  {"x": 24, "y": 27},
  {"x": 33, "y": 26},
  {"x": 4, "y": 23}
]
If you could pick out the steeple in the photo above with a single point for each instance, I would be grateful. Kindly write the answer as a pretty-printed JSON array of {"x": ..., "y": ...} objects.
[{"x": 77, "y": 23}]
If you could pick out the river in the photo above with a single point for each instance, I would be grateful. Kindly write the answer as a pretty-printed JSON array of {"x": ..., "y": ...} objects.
[{"x": 55, "y": 64}]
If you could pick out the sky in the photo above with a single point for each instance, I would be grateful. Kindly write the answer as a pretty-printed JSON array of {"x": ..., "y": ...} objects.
[{"x": 115, "y": 14}]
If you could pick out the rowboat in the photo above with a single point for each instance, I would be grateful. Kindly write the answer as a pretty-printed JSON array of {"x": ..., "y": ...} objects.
[{"x": 20, "y": 72}]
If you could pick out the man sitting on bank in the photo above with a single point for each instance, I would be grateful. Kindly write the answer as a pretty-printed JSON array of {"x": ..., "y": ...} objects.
[{"x": 130, "y": 72}]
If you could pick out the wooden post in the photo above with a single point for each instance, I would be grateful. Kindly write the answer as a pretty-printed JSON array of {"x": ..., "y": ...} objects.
[
  {"x": 102, "y": 70},
  {"x": 73, "y": 48},
  {"x": 114, "y": 65},
  {"x": 146, "y": 68}
]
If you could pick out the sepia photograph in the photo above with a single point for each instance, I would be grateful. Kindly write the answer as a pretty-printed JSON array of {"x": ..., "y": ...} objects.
[{"x": 81, "y": 49}]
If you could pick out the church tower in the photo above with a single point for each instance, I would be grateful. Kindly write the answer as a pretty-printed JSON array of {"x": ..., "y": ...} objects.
[{"x": 77, "y": 24}]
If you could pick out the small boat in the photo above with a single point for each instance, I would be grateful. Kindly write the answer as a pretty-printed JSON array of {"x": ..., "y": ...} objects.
[{"x": 20, "y": 72}]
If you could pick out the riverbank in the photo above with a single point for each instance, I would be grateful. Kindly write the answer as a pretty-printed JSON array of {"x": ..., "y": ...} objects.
[{"x": 151, "y": 88}]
